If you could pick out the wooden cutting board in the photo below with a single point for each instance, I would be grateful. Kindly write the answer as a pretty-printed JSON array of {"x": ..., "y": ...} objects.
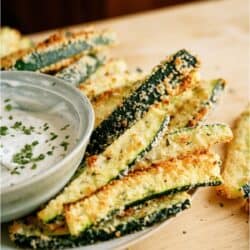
[{"x": 217, "y": 31}]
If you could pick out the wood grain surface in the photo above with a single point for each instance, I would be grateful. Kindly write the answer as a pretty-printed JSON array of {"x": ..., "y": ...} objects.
[{"x": 217, "y": 31}]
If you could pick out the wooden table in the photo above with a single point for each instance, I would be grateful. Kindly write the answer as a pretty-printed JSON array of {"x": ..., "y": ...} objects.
[{"x": 218, "y": 31}]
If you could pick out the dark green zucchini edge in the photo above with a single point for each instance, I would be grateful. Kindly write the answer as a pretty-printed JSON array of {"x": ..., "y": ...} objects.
[
  {"x": 81, "y": 70},
  {"x": 173, "y": 71},
  {"x": 154, "y": 142},
  {"x": 104, "y": 232},
  {"x": 69, "y": 47},
  {"x": 246, "y": 190},
  {"x": 219, "y": 86},
  {"x": 176, "y": 190}
]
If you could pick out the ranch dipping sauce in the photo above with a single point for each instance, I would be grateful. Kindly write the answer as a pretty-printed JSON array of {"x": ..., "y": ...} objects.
[{"x": 32, "y": 142}]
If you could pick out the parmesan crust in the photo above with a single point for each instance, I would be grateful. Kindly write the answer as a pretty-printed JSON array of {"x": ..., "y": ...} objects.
[{"x": 236, "y": 169}]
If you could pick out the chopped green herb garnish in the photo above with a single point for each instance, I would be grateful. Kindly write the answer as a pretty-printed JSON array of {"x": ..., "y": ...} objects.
[
  {"x": 14, "y": 171},
  {"x": 40, "y": 157},
  {"x": 10, "y": 117},
  {"x": 139, "y": 70},
  {"x": 50, "y": 153},
  {"x": 20, "y": 159},
  {"x": 17, "y": 125},
  {"x": 3, "y": 130},
  {"x": 27, "y": 131},
  {"x": 8, "y": 107},
  {"x": 25, "y": 156},
  {"x": 53, "y": 136},
  {"x": 34, "y": 143},
  {"x": 34, "y": 166},
  {"x": 65, "y": 127},
  {"x": 7, "y": 100},
  {"x": 64, "y": 144},
  {"x": 67, "y": 137},
  {"x": 45, "y": 126}
]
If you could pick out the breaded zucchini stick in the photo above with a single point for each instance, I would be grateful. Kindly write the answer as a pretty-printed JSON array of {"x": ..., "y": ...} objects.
[
  {"x": 54, "y": 52},
  {"x": 236, "y": 170}
]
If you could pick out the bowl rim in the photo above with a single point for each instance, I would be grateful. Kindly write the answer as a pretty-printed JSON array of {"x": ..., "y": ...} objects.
[{"x": 77, "y": 147}]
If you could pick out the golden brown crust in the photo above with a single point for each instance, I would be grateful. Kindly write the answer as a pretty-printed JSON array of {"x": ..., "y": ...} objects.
[
  {"x": 189, "y": 81},
  {"x": 52, "y": 69},
  {"x": 165, "y": 165},
  {"x": 7, "y": 61},
  {"x": 198, "y": 117},
  {"x": 236, "y": 168},
  {"x": 53, "y": 40}
]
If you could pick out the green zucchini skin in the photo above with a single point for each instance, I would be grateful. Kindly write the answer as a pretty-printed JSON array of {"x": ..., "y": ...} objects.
[
  {"x": 138, "y": 218},
  {"x": 213, "y": 90},
  {"x": 62, "y": 46},
  {"x": 218, "y": 85},
  {"x": 114, "y": 162},
  {"x": 79, "y": 71},
  {"x": 170, "y": 76},
  {"x": 246, "y": 190}
]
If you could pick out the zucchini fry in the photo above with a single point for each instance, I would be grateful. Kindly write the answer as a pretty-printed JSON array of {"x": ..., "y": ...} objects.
[
  {"x": 114, "y": 74},
  {"x": 171, "y": 77},
  {"x": 185, "y": 141},
  {"x": 236, "y": 171},
  {"x": 58, "y": 47},
  {"x": 163, "y": 178},
  {"x": 128, "y": 221}
]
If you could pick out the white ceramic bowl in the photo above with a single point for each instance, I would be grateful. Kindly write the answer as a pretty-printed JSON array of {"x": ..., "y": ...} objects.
[{"x": 45, "y": 91}]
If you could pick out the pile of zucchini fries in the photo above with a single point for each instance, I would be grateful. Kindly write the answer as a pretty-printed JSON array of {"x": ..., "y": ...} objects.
[{"x": 148, "y": 149}]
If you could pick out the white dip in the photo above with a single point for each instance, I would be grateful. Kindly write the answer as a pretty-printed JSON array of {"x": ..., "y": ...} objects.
[{"x": 31, "y": 142}]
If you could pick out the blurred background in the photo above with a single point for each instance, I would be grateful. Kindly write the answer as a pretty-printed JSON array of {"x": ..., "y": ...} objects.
[{"x": 31, "y": 16}]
